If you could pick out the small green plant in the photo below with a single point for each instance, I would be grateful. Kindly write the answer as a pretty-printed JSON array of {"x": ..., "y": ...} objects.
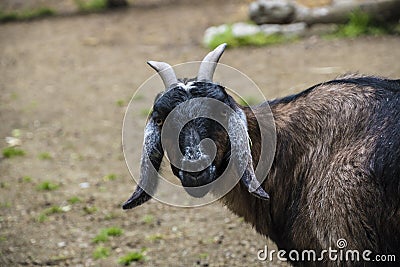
[
  {"x": 113, "y": 231},
  {"x": 120, "y": 103},
  {"x": 10, "y": 152},
  {"x": 45, "y": 156},
  {"x": 110, "y": 216},
  {"x": 101, "y": 253},
  {"x": 203, "y": 255},
  {"x": 47, "y": 186},
  {"x": 91, "y": 5},
  {"x": 148, "y": 219},
  {"x": 103, "y": 235},
  {"x": 26, "y": 179},
  {"x": 42, "y": 218},
  {"x": 44, "y": 215},
  {"x": 131, "y": 257},
  {"x": 5, "y": 204},
  {"x": 361, "y": 23},
  {"x": 26, "y": 14},
  {"x": 74, "y": 200},
  {"x": 52, "y": 210},
  {"x": 110, "y": 177},
  {"x": 155, "y": 237},
  {"x": 89, "y": 209}
]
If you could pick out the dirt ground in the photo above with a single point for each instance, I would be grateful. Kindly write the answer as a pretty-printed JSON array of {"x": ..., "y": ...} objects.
[{"x": 65, "y": 83}]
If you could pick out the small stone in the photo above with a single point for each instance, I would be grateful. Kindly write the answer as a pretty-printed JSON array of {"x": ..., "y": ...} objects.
[
  {"x": 84, "y": 185},
  {"x": 244, "y": 29},
  {"x": 272, "y": 11},
  {"x": 61, "y": 244}
]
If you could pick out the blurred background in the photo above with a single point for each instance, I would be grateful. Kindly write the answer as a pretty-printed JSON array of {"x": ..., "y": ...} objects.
[{"x": 68, "y": 70}]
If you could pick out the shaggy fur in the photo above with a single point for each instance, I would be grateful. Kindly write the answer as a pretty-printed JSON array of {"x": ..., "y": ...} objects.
[{"x": 336, "y": 172}]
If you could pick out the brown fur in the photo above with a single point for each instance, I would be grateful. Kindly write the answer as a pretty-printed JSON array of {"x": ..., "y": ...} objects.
[{"x": 320, "y": 183}]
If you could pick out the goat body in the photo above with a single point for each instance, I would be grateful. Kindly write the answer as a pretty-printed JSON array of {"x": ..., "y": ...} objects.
[{"x": 336, "y": 171}]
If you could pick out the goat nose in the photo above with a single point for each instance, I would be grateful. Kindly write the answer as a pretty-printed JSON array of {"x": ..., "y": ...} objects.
[
  {"x": 194, "y": 160},
  {"x": 192, "y": 153}
]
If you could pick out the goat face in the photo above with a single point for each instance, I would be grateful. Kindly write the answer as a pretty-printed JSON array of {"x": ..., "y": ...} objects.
[
  {"x": 194, "y": 121},
  {"x": 196, "y": 113}
]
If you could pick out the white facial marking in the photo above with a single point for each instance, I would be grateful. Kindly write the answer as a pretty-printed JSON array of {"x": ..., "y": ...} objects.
[{"x": 187, "y": 86}]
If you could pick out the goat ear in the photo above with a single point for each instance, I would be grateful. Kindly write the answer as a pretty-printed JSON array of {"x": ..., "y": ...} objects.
[
  {"x": 152, "y": 155},
  {"x": 241, "y": 147}
]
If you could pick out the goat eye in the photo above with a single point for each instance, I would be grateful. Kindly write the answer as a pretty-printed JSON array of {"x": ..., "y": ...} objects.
[
  {"x": 159, "y": 121},
  {"x": 224, "y": 112}
]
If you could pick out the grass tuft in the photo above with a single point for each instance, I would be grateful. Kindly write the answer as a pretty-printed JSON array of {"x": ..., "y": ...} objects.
[
  {"x": 47, "y": 186},
  {"x": 105, "y": 233},
  {"x": 131, "y": 257},
  {"x": 361, "y": 23},
  {"x": 148, "y": 219},
  {"x": 91, "y": 5},
  {"x": 74, "y": 200},
  {"x": 110, "y": 177},
  {"x": 101, "y": 253},
  {"x": 45, "y": 156},
  {"x": 26, "y": 14},
  {"x": 10, "y": 152}
]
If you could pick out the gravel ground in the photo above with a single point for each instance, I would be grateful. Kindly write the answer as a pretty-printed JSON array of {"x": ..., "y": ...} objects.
[{"x": 65, "y": 83}]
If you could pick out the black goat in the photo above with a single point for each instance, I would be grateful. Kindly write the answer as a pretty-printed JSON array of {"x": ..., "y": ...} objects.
[{"x": 335, "y": 173}]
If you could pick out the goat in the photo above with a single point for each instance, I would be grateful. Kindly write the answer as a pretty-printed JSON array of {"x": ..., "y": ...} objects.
[{"x": 335, "y": 172}]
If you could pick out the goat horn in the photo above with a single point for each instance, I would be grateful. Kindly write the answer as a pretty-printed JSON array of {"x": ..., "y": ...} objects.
[
  {"x": 209, "y": 63},
  {"x": 165, "y": 71}
]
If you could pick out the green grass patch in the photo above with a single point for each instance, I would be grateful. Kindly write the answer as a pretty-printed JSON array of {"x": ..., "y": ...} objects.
[
  {"x": 74, "y": 200},
  {"x": 110, "y": 177},
  {"x": 89, "y": 209},
  {"x": 110, "y": 216},
  {"x": 52, "y": 210},
  {"x": 5, "y": 204},
  {"x": 361, "y": 23},
  {"x": 258, "y": 39},
  {"x": 91, "y": 5},
  {"x": 26, "y": 14},
  {"x": 101, "y": 253},
  {"x": 47, "y": 186},
  {"x": 26, "y": 179},
  {"x": 120, "y": 103},
  {"x": 44, "y": 215},
  {"x": 131, "y": 257},
  {"x": 105, "y": 233},
  {"x": 42, "y": 218},
  {"x": 45, "y": 156},
  {"x": 155, "y": 237},
  {"x": 148, "y": 219},
  {"x": 10, "y": 152},
  {"x": 203, "y": 255}
]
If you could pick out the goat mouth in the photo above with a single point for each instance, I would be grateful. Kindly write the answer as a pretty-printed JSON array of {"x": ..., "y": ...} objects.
[{"x": 197, "y": 184}]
